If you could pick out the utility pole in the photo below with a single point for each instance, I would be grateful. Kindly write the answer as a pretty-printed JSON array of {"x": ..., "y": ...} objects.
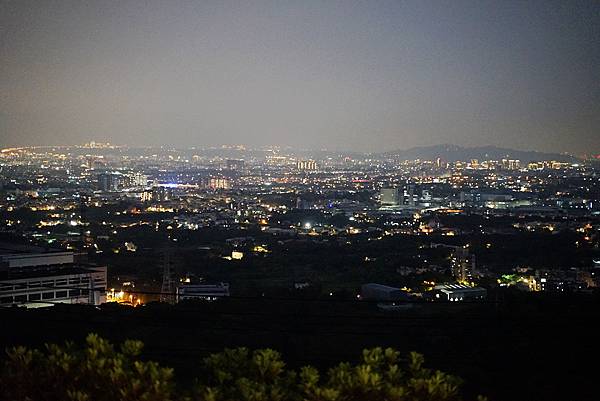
[{"x": 167, "y": 293}]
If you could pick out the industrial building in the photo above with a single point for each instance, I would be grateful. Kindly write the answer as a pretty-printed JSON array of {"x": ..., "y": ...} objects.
[
  {"x": 34, "y": 277},
  {"x": 459, "y": 292},
  {"x": 379, "y": 292}
]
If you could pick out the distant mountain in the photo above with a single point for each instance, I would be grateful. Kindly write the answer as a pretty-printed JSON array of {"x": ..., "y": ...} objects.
[{"x": 452, "y": 153}]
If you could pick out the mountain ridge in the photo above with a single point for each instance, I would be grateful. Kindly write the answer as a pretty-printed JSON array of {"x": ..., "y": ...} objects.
[{"x": 450, "y": 153}]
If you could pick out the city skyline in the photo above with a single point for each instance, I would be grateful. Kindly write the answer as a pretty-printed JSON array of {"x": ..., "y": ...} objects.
[
  {"x": 443, "y": 151},
  {"x": 342, "y": 76}
]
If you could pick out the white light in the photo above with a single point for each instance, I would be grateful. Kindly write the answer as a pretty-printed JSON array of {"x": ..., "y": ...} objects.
[{"x": 307, "y": 225}]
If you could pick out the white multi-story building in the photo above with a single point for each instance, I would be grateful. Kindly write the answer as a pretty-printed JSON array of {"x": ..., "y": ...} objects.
[
  {"x": 139, "y": 180},
  {"x": 35, "y": 279}
]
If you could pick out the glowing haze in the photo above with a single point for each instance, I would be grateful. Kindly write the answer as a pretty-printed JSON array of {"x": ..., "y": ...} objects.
[{"x": 365, "y": 76}]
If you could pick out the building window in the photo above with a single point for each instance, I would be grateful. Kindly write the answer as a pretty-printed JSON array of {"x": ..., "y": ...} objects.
[
  {"x": 48, "y": 295},
  {"x": 61, "y": 282},
  {"x": 61, "y": 294},
  {"x": 34, "y": 284},
  {"x": 35, "y": 297},
  {"x": 74, "y": 293},
  {"x": 6, "y": 300}
]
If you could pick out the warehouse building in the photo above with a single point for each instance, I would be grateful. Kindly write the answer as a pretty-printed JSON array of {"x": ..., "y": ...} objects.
[
  {"x": 459, "y": 292},
  {"x": 383, "y": 293}
]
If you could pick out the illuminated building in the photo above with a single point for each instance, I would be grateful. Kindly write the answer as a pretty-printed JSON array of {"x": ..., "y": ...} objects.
[
  {"x": 306, "y": 165},
  {"x": 219, "y": 183},
  {"x": 277, "y": 160},
  {"x": 463, "y": 264},
  {"x": 511, "y": 164},
  {"x": 146, "y": 196},
  {"x": 138, "y": 180},
  {"x": 459, "y": 292},
  {"x": 35, "y": 279}
]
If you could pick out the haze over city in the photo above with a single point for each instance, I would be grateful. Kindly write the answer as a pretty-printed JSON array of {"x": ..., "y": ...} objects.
[{"x": 360, "y": 76}]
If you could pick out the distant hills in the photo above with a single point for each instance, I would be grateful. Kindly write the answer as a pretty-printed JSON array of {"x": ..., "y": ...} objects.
[{"x": 452, "y": 153}]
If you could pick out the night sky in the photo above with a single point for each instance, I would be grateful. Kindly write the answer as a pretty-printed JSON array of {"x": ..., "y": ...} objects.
[{"x": 363, "y": 76}]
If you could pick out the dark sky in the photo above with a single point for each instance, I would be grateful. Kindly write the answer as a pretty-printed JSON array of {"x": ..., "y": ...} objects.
[{"x": 368, "y": 75}]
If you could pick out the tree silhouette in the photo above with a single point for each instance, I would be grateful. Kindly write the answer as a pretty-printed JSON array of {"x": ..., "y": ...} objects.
[
  {"x": 101, "y": 372},
  {"x": 96, "y": 372}
]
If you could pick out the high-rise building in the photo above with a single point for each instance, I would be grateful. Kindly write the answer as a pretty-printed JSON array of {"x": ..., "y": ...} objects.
[
  {"x": 463, "y": 264},
  {"x": 410, "y": 195},
  {"x": 162, "y": 194},
  {"x": 146, "y": 196},
  {"x": 219, "y": 183},
  {"x": 306, "y": 165},
  {"x": 138, "y": 180},
  {"x": 110, "y": 182},
  {"x": 390, "y": 197},
  {"x": 511, "y": 164}
]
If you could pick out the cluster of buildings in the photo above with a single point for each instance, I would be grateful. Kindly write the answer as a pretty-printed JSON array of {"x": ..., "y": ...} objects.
[
  {"x": 100, "y": 198},
  {"x": 572, "y": 279}
]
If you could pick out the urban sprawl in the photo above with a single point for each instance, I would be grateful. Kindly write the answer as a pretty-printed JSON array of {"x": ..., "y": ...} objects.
[{"x": 100, "y": 223}]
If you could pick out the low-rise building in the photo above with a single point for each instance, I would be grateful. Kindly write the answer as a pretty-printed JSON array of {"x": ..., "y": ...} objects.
[
  {"x": 379, "y": 292},
  {"x": 207, "y": 292},
  {"x": 459, "y": 292}
]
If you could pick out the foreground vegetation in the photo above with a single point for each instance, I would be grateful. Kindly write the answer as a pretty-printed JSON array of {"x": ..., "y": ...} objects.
[{"x": 100, "y": 371}]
